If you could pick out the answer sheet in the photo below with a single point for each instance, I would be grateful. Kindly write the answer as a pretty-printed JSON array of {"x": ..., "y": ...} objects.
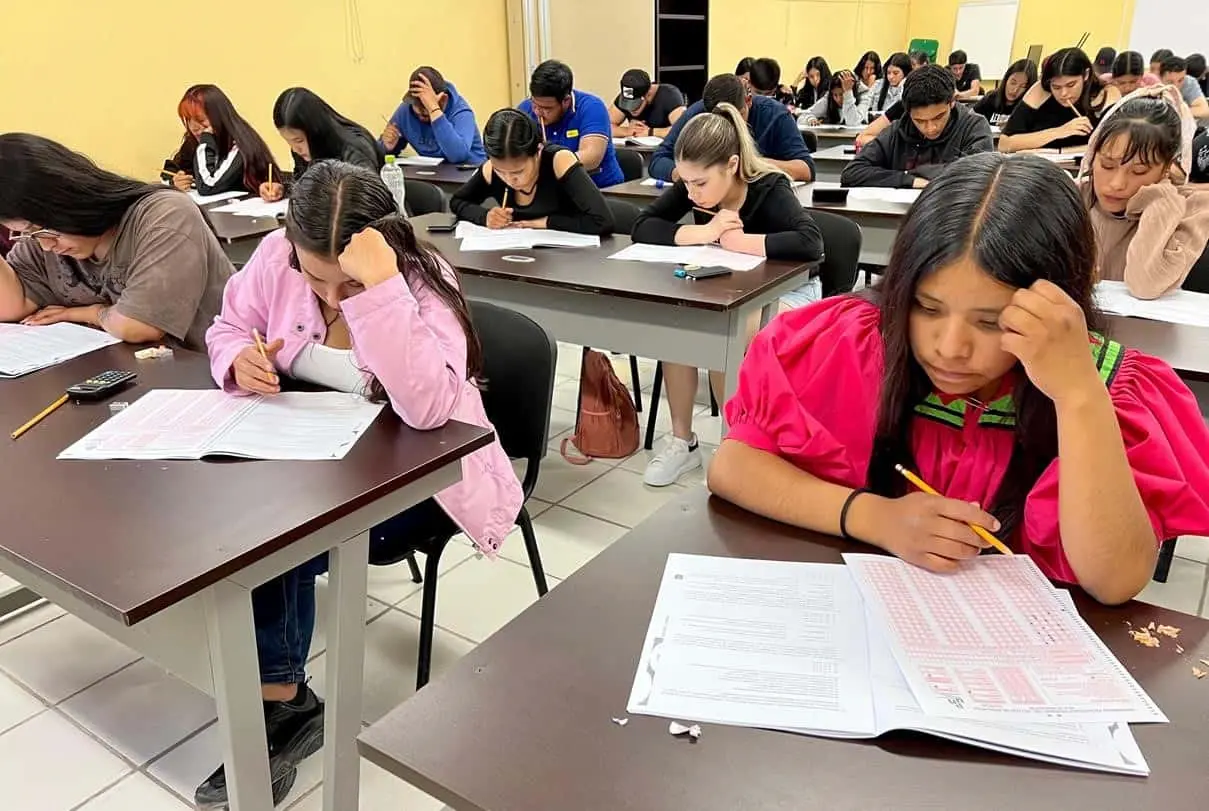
[
  {"x": 254, "y": 207},
  {"x": 994, "y": 642},
  {"x": 1175, "y": 307},
  {"x": 706, "y": 256},
  {"x": 479, "y": 238},
  {"x": 419, "y": 160},
  {"x": 207, "y": 199},
  {"x": 27, "y": 349},
  {"x": 196, "y": 423},
  {"x": 884, "y": 195}
]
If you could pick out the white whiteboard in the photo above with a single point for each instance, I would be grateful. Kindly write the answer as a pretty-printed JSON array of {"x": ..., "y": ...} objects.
[
  {"x": 1181, "y": 25},
  {"x": 985, "y": 32}
]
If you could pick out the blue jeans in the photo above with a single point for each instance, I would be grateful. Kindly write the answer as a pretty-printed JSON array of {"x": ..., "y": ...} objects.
[{"x": 284, "y": 608}]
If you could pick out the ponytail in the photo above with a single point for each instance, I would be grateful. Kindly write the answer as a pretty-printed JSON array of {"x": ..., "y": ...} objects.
[{"x": 711, "y": 138}]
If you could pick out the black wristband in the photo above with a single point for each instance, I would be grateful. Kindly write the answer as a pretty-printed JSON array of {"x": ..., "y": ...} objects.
[{"x": 844, "y": 513}]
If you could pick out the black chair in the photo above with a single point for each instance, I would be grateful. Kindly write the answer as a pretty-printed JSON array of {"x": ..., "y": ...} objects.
[
  {"x": 631, "y": 164},
  {"x": 518, "y": 364},
  {"x": 1198, "y": 277},
  {"x": 841, "y": 252},
  {"x": 422, "y": 198},
  {"x": 624, "y": 214},
  {"x": 648, "y": 441},
  {"x": 1162, "y": 566},
  {"x": 811, "y": 140}
]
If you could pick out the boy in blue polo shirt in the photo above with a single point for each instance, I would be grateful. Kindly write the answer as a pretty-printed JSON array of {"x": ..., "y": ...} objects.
[
  {"x": 574, "y": 119},
  {"x": 774, "y": 129}
]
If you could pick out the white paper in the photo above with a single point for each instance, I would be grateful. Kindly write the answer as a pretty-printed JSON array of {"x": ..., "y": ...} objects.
[
  {"x": 884, "y": 195},
  {"x": 827, "y": 127},
  {"x": 706, "y": 256},
  {"x": 994, "y": 642},
  {"x": 654, "y": 181},
  {"x": 478, "y": 238},
  {"x": 1175, "y": 307},
  {"x": 195, "y": 423},
  {"x": 419, "y": 160},
  {"x": 27, "y": 349},
  {"x": 206, "y": 199},
  {"x": 755, "y": 643},
  {"x": 254, "y": 207}
]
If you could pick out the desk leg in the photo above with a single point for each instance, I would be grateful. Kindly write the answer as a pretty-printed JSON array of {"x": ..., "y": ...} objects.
[
  {"x": 237, "y": 691},
  {"x": 349, "y": 564}
]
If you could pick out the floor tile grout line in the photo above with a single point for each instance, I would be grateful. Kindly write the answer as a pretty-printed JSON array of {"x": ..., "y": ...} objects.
[
  {"x": 17, "y": 614},
  {"x": 1200, "y": 609}
]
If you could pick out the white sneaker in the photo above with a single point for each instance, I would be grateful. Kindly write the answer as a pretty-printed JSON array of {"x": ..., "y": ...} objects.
[{"x": 676, "y": 459}]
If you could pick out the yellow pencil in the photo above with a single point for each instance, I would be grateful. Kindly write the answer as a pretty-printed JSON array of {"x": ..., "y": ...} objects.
[
  {"x": 542, "y": 121},
  {"x": 270, "y": 174},
  {"x": 46, "y": 412},
  {"x": 979, "y": 531},
  {"x": 504, "y": 204},
  {"x": 260, "y": 345}
]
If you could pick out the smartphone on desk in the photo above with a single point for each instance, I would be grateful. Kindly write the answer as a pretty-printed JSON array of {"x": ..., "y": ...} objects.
[{"x": 445, "y": 224}]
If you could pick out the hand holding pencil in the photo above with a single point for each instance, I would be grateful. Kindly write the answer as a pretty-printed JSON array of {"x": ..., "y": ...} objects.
[{"x": 253, "y": 369}]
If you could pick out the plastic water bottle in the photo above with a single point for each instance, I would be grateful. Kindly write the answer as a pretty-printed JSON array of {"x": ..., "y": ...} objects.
[{"x": 392, "y": 176}]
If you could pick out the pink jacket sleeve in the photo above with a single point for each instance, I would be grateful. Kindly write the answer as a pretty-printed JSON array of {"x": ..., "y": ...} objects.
[
  {"x": 1167, "y": 444},
  {"x": 414, "y": 345},
  {"x": 245, "y": 305},
  {"x": 805, "y": 387}
]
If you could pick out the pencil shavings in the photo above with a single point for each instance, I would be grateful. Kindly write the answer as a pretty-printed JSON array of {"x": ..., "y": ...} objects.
[
  {"x": 153, "y": 352},
  {"x": 1205, "y": 662},
  {"x": 1200, "y": 674},
  {"x": 621, "y": 721},
  {"x": 676, "y": 728},
  {"x": 1168, "y": 630},
  {"x": 1144, "y": 637}
]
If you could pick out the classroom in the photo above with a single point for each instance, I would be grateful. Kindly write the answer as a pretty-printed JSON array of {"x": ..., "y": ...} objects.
[{"x": 534, "y": 405}]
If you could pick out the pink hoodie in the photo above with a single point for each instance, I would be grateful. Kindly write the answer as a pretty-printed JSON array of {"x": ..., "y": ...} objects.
[{"x": 409, "y": 339}]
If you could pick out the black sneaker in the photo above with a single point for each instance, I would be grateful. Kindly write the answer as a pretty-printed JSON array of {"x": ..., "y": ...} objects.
[{"x": 295, "y": 732}]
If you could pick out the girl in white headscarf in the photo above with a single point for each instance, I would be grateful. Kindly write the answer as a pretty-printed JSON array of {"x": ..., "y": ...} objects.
[{"x": 1151, "y": 226}]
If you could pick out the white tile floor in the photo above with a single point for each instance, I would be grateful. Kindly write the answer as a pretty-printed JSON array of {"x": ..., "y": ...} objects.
[{"x": 86, "y": 726}]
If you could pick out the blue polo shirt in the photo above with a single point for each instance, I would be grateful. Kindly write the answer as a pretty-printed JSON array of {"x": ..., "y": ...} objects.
[
  {"x": 774, "y": 129},
  {"x": 588, "y": 116}
]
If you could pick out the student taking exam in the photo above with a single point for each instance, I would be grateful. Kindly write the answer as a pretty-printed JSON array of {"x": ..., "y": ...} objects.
[
  {"x": 435, "y": 121},
  {"x": 1062, "y": 109},
  {"x": 840, "y": 105},
  {"x": 228, "y": 155},
  {"x": 573, "y": 119},
  {"x": 643, "y": 107},
  {"x": 974, "y": 359}
]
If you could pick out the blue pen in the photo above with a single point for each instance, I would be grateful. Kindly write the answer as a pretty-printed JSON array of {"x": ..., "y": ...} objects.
[{"x": 659, "y": 184}]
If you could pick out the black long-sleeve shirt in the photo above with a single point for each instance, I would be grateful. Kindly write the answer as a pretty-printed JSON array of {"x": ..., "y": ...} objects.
[
  {"x": 215, "y": 172},
  {"x": 569, "y": 203},
  {"x": 771, "y": 209},
  {"x": 900, "y": 154}
]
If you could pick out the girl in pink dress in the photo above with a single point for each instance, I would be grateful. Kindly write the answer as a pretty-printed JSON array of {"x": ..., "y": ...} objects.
[{"x": 974, "y": 362}]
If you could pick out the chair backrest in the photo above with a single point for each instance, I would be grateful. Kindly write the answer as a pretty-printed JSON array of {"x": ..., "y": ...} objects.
[
  {"x": 631, "y": 164},
  {"x": 624, "y": 214},
  {"x": 811, "y": 140},
  {"x": 519, "y": 357},
  {"x": 841, "y": 252},
  {"x": 423, "y": 198},
  {"x": 1198, "y": 277}
]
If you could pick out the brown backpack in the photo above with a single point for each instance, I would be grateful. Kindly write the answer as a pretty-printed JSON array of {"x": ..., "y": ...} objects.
[{"x": 606, "y": 426}]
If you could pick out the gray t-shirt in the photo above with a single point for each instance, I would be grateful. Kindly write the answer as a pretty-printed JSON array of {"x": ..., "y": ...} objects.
[
  {"x": 1191, "y": 90},
  {"x": 165, "y": 268}
]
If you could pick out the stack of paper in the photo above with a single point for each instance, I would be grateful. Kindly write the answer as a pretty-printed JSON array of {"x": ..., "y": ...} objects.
[
  {"x": 255, "y": 207},
  {"x": 706, "y": 256},
  {"x": 27, "y": 349},
  {"x": 477, "y": 238},
  {"x": 419, "y": 160},
  {"x": 207, "y": 199},
  {"x": 638, "y": 140},
  {"x": 1176, "y": 307},
  {"x": 992, "y": 656},
  {"x": 907, "y": 196},
  {"x": 193, "y": 424}
]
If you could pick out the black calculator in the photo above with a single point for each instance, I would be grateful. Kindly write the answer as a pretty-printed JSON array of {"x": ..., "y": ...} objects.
[{"x": 101, "y": 385}]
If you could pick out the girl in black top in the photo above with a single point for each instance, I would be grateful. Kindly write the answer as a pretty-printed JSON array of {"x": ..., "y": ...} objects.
[
  {"x": 1062, "y": 109},
  {"x": 538, "y": 187},
  {"x": 228, "y": 155},
  {"x": 813, "y": 82},
  {"x": 316, "y": 132},
  {"x": 998, "y": 105}
]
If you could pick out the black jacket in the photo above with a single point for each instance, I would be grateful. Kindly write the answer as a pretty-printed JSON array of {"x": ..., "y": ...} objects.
[
  {"x": 900, "y": 154},
  {"x": 356, "y": 147},
  {"x": 215, "y": 172},
  {"x": 771, "y": 208}
]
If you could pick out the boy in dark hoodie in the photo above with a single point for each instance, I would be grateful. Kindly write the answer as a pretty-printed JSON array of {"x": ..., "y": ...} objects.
[
  {"x": 435, "y": 121},
  {"x": 935, "y": 131}
]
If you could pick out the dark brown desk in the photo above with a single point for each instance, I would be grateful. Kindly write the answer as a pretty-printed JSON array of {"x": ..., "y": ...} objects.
[
  {"x": 522, "y": 723},
  {"x": 240, "y": 235},
  {"x": 582, "y": 296},
  {"x": 447, "y": 176},
  {"x": 162, "y": 555},
  {"x": 1185, "y": 348}
]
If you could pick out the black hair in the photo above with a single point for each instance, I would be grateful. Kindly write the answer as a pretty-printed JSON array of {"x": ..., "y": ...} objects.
[
  {"x": 1161, "y": 54},
  {"x": 50, "y": 186},
  {"x": 835, "y": 112},
  {"x": 335, "y": 200},
  {"x": 1020, "y": 219},
  {"x": 326, "y": 130},
  {"x": 551, "y": 80},
  {"x": 1104, "y": 59},
  {"x": 509, "y": 133},
  {"x": 1173, "y": 64},
  {"x": 927, "y": 85},
  {"x": 958, "y": 58},
  {"x": 1196, "y": 66},
  {"x": 744, "y": 66},
  {"x": 1153, "y": 127},
  {"x": 1024, "y": 66},
  {"x": 725, "y": 87},
  {"x": 231, "y": 130},
  {"x": 1128, "y": 63},
  {"x": 869, "y": 56},
  {"x": 765, "y": 76},
  {"x": 1073, "y": 62},
  {"x": 920, "y": 58},
  {"x": 809, "y": 94},
  {"x": 898, "y": 60}
]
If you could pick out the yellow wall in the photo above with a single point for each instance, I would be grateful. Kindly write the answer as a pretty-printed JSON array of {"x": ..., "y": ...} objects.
[
  {"x": 1053, "y": 24},
  {"x": 105, "y": 77}
]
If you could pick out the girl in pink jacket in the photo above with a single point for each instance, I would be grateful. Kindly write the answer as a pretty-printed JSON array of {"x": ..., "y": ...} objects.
[
  {"x": 348, "y": 299},
  {"x": 973, "y": 362}
]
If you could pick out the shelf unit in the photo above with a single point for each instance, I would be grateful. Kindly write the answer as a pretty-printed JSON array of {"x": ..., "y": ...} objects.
[{"x": 682, "y": 45}]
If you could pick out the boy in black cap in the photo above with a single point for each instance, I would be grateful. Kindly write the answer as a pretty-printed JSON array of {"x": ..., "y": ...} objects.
[{"x": 643, "y": 108}]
